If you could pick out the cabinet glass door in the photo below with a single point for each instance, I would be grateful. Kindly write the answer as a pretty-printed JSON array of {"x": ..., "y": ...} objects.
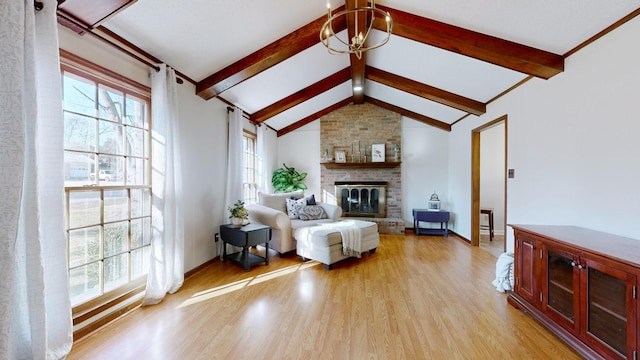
[
  {"x": 607, "y": 311},
  {"x": 561, "y": 287}
]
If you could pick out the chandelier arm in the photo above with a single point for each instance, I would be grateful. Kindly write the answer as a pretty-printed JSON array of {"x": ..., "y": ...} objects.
[
  {"x": 355, "y": 47},
  {"x": 373, "y": 18}
]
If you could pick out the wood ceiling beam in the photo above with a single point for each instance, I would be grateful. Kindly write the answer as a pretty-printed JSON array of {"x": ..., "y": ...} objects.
[
  {"x": 508, "y": 54},
  {"x": 301, "y": 96},
  {"x": 314, "y": 117},
  {"x": 357, "y": 65},
  {"x": 357, "y": 77},
  {"x": 425, "y": 91},
  {"x": 425, "y": 119},
  {"x": 262, "y": 59}
]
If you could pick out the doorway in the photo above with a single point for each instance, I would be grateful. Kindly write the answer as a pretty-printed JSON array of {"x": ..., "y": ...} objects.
[{"x": 489, "y": 190}]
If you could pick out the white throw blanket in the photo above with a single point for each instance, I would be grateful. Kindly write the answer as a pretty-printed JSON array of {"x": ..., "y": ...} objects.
[
  {"x": 503, "y": 268},
  {"x": 351, "y": 237}
]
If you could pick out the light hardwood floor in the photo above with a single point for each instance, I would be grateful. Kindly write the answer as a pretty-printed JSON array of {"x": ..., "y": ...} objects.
[
  {"x": 415, "y": 298},
  {"x": 495, "y": 246}
]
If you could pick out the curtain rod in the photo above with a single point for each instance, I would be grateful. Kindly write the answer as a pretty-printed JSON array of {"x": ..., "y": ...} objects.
[
  {"x": 114, "y": 45},
  {"x": 245, "y": 115}
]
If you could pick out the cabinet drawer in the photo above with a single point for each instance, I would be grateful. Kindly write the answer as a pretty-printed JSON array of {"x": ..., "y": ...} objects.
[{"x": 432, "y": 216}]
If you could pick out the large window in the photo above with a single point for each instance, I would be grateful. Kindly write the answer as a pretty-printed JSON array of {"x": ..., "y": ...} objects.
[
  {"x": 107, "y": 183},
  {"x": 249, "y": 183}
]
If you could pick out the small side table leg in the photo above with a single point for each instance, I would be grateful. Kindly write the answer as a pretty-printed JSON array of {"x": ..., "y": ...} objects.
[
  {"x": 266, "y": 253},
  {"x": 245, "y": 254},
  {"x": 491, "y": 226},
  {"x": 224, "y": 250},
  {"x": 266, "y": 248}
]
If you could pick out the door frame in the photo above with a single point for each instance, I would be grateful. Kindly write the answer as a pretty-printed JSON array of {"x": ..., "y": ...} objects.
[{"x": 475, "y": 177}]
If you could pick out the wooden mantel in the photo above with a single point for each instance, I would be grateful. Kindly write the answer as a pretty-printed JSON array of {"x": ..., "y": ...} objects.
[{"x": 368, "y": 165}]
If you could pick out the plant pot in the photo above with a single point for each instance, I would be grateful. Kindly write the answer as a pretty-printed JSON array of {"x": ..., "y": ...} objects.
[{"x": 237, "y": 222}]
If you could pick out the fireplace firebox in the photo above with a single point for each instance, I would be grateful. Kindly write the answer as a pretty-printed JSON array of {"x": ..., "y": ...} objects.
[{"x": 362, "y": 198}]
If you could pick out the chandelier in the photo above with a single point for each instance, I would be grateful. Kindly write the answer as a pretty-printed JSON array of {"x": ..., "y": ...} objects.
[{"x": 363, "y": 19}]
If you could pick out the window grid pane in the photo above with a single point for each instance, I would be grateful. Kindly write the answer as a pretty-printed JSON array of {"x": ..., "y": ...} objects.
[
  {"x": 107, "y": 244},
  {"x": 107, "y": 188},
  {"x": 249, "y": 186}
]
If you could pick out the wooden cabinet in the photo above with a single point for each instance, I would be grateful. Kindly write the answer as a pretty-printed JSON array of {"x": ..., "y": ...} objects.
[{"x": 582, "y": 285}]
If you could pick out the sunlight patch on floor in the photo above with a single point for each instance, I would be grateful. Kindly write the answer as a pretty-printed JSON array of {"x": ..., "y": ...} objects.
[
  {"x": 228, "y": 288},
  {"x": 281, "y": 272}
]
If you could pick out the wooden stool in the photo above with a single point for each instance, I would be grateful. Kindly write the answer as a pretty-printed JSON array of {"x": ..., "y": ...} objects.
[{"x": 489, "y": 213}]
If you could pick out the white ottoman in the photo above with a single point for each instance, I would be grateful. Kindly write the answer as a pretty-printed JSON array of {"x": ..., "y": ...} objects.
[{"x": 324, "y": 244}]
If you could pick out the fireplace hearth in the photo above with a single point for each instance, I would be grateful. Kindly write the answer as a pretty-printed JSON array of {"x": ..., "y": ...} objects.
[{"x": 362, "y": 198}]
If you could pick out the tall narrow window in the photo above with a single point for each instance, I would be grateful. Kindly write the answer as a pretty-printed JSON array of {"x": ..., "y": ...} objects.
[
  {"x": 249, "y": 183},
  {"x": 107, "y": 184}
]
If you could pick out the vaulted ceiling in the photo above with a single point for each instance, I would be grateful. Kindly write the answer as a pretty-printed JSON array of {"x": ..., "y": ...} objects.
[{"x": 446, "y": 59}]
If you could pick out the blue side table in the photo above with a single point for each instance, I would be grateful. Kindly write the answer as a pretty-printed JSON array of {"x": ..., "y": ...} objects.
[{"x": 424, "y": 215}]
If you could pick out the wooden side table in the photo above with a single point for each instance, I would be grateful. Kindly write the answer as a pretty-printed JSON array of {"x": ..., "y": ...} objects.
[
  {"x": 424, "y": 215},
  {"x": 245, "y": 237}
]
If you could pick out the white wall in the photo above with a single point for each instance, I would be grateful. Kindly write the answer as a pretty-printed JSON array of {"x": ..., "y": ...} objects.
[
  {"x": 492, "y": 175},
  {"x": 572, "y": 141},
  {"x": 98, "y": 52},
  {"x": 203, "y": 128},
  {"x": 301, "y": 149},
  {"x": 271, "y": 161},
  {"x": 203, "y": 148},
  {"x": 424, "y": 167}
]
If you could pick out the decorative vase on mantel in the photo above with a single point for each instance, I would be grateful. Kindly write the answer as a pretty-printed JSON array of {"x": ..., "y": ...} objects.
[{"x": 237, "y": 222}]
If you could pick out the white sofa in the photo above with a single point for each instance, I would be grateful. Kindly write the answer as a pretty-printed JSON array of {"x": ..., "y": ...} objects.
[{"x": 272, "y": 210}]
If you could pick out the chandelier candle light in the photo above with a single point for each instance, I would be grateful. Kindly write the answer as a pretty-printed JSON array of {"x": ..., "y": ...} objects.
[{"x": 363, "y": 19}]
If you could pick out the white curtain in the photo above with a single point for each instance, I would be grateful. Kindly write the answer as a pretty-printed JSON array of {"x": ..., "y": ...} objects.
[
  {"x": 35, "y": 310},
  {"x": 166, "y": 267},
  {"x": 262, "y": 151},
  {"x": 233, "y": 191}
]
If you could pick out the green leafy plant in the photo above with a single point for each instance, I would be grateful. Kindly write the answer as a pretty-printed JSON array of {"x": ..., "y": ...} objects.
[
  {"x": 238, "y": 210},
  {"x": 287, "y": 179}
]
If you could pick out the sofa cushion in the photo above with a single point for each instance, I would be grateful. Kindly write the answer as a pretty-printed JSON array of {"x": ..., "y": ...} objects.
[
  {"x": 277, "y": 201},
  {"x": 297, "y": 223},
  {"x": 293, "y": 207},
  {"x": 311, "y": 212},
  {"x": 321, "y": 236}
]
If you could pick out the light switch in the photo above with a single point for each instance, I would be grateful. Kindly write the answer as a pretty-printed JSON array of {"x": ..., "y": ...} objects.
[{"x": 511, "y": 173}]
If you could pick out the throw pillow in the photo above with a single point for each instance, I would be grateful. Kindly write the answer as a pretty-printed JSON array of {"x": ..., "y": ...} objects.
[
  {"x": 292, "y": 207},
  {"x": 311, "y": 200},
  {"x": 311, "y": 212}
]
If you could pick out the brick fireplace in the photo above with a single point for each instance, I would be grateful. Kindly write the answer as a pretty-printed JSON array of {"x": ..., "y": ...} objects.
[{"x": 360, "y": 126}]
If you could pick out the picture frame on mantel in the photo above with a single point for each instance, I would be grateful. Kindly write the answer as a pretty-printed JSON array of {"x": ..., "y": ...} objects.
[
  {"x": 341, "y": 157},
  {"x": 377, "y": 153}
]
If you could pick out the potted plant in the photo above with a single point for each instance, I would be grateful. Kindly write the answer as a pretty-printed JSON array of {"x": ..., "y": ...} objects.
[
  {"x": 288, "y": 179},
  {"x": 239, "y": 213}
]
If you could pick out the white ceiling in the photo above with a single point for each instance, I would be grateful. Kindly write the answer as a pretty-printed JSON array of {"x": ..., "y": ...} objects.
[{"x": 200, "y": 37}]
